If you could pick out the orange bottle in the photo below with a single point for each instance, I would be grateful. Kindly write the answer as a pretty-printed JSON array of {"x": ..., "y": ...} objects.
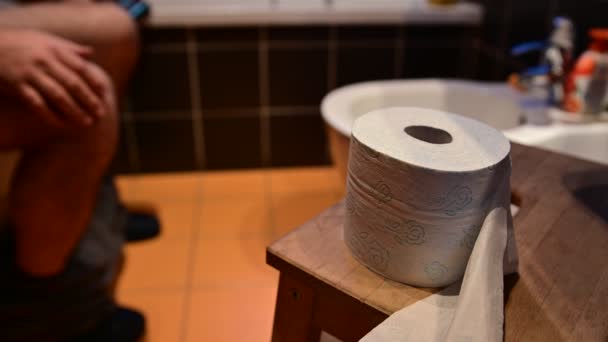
[{"x": 587, "y": 86}]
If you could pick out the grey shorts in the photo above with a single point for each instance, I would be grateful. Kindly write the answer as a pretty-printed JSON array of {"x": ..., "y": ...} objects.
[{"x": 73, "y": 302}]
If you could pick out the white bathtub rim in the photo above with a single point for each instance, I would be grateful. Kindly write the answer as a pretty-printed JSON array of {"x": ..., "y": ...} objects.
[{"x": 179, "y": 14}]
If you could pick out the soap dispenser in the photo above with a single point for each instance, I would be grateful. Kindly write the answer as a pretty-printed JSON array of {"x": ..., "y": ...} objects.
[{"x": 587, "y": 86}]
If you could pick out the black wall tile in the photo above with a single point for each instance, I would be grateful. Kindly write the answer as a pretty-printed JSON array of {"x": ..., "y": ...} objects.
[
  {"x": 299, "y": 33},
  {"x": 432, "y": 62},
  {"x": 297, "y": 77},
  {"x": 298, "y": 140},
  {"x": 365, "y": 64},
  {"x": 161, "y": 83},
  {"x": 165, "y": 145},
  {"x": 227, "y": 35},
  {"x": 229, "y": 78},
  {"x": 232, "y": 143}
]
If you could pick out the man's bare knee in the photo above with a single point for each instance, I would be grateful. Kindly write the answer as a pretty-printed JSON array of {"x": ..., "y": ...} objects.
[
  {"x": 104, "y": 26},
  {"x": 113, "y": 27},
  {"x": 116, "y": 41}
]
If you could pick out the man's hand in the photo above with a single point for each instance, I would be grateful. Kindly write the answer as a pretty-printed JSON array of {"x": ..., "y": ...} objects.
[{"x": 52, "y": 76}]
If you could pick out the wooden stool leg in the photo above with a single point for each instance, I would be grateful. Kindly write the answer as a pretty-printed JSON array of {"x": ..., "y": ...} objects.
[{"x": 293, "y": 317}]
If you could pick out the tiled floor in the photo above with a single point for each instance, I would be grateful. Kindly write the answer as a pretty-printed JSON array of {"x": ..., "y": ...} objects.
[{"x": 205, "y": 278}]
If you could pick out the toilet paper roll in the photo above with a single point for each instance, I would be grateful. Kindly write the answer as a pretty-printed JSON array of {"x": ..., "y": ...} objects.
[
  {"x": 427, "y": 198},
  {"x": 420, "y": 184}
]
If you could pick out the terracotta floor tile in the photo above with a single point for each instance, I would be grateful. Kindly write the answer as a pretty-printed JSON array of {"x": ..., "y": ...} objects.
[
  {"x": 177, "y": 219},
  {"x": 233, "y": 263},
  {"x": 164, "y": 312},
  {"x": 126, "y": 185},
  {"x": 225, "y": 315},
  {"x": 290, "y": 210},
  {"x": 234, "y": 218},
  {"x": 233, "y": 290},
  {"x": 166, "y": 187},
  {"x": 233, "y": 183},
  {"x": 310, "y": 179},
  {"x": 156, "y": 264}
]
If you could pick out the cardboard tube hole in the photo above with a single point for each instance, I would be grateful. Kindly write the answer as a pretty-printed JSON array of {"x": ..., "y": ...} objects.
[{"x": 428, "y": 134}]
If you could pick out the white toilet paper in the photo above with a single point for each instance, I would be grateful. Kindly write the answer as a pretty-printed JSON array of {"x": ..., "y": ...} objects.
[{"x": 428, "y": 197}]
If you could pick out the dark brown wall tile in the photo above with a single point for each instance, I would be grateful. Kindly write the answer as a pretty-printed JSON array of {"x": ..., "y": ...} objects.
[
  {"x": 530, "y": 20},
  {"x": 365, "y": 64},
  {"x": 298, "y": 140},
  {"x": 297, "y": 77},
  {"x": 367, "y": 33},
  {"x": 493, "y": 24},
  {"x": 432, "y": 62},
  {"x": 231, "y": 112},
  {"x": 429, "y": 36},
  {"x": 161, "y": 83},
  {"x": 299, "y": 33},
  {"x": 227, "y": 35},
  {"x": 229, "y": 78},
  {"x": 232, "y": 143},
  {"x": 585, "y": 14},
  {"x": 165, "y": 145},
  {"x": 486, "y": 67},
  {"x": 163, "y": 36}
]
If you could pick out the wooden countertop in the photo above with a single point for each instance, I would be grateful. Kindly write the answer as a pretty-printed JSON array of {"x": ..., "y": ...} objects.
[{"x": 561, "y": 293}]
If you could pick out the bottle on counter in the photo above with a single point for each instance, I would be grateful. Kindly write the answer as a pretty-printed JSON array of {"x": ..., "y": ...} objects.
[{"x": 586, "y": 90}]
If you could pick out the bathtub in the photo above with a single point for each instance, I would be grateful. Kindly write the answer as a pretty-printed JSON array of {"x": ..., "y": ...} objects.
[
  {"x": 309, "y": 12},
  {"x": 495, "y": 104}
]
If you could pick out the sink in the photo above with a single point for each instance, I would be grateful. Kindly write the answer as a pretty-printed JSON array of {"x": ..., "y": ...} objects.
[
  {"x": 585, "y": 141},
  {"x": 493, "y": 103}
]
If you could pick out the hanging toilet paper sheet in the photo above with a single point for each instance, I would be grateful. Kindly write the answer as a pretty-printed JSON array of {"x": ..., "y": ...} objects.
[{"x": 428, "y": 205}]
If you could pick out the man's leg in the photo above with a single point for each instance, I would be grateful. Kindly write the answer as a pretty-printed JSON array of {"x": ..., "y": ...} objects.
[
  {"x": 54, "y": 186},
  {"x": 56, "y": 183}
]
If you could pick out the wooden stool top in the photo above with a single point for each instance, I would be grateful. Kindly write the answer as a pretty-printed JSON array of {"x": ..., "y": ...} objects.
[
  {"x": 318, "y": 248},
  {"x": 562, "y": 236}
]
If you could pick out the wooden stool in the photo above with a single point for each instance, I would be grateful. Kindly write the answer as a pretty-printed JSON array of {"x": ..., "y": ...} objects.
[{"x": 561, "y": 293}]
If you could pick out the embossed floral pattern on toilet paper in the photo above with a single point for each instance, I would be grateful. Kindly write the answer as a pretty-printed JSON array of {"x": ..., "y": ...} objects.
[
  {"x": 436, "y": 270},
  {"x": 352, "y": 207},
  {"x": 469, "y": 237},
  {"x": 408, "y": 232},
  {"x": 369, "y": 251},
  {"x": 457, "y": 199},
  {"x": 383, "y": 192}
]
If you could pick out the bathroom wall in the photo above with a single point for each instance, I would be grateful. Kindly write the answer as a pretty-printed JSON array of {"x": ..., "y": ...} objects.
[
  {"x": 222, "y": 98},
  {"x": 248, "y": 97},
  {"x": 508, "y": 22}
]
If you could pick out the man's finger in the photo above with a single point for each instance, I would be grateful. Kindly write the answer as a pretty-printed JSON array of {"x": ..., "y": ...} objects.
[
  {"x": 37, "y": 104},
  {"x": 58, "y": 97},
  {"x": 84, "y": 68},
  {"x": 77, "y": 87},
  {"x": 82, "y": 50}
]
